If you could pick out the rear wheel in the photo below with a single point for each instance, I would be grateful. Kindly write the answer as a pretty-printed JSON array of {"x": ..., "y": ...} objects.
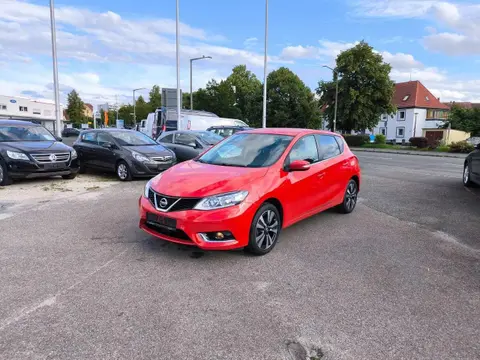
[
  {"x": 81, "y": 167},
  {"x": 350, "y": 198},
  {"x": 467, "y": 175},
  {"x": 123, "y": 171},
  {"x": 264, "y": 230},
  {"x": 4, "y": 178}
]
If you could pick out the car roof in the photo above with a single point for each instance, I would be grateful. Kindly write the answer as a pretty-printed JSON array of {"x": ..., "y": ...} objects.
[
  {"x": 230, "y": 126},
  {"x": 288, "y": 131},
  {"x": 109, "y": 130},
  {"x": 17, "y": 122}
]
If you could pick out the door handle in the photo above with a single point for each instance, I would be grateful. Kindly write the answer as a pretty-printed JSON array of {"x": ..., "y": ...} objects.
[{"x": 321, "y": 175}]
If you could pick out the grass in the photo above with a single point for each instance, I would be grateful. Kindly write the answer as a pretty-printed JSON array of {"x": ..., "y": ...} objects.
[{"x": 406, "y": 148}]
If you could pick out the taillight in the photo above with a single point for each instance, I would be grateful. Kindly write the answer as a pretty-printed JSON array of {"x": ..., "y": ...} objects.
[{"x": 164, "y": 128}]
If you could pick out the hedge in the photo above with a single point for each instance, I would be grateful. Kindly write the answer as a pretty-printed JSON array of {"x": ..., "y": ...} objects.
[
  {"x": 357, "y": 140},
  {"x": 461, "y": 147},
  {"x": 419, "y": 142}
]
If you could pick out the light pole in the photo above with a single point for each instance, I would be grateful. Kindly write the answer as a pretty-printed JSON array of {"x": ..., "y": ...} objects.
[
  {"x": 191, "y": 77},
  {"x": 55, "y": 70},
  {"x": 134, "y": 105},
  {"x": 264, "y": 117},
  {"x": 336, "y": 97},
  {"x": 177, "y": 49}
]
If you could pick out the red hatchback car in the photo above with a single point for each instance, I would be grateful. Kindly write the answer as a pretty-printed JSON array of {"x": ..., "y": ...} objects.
[{"x": 248, "y": 187}]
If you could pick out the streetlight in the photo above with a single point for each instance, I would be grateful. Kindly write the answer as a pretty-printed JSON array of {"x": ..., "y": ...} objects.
[
  {"x": 177, "y": 50},
  {"x": 336, "y": 97},
  {"x": 55, "y": 69},
  {"x": 191, "y": 77},
  {"x": 264, "y": 117},
  {"x": 134, "y": 105}
]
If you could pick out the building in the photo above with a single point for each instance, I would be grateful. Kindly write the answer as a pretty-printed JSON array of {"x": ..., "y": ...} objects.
[
  {"x": 418, "y": 113},
  {"x": 88, "y": 111},
  {"x": 41, "y": 111}
]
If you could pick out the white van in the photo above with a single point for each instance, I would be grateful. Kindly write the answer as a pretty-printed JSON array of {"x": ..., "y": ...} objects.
[{"x": 162, "y": 120}]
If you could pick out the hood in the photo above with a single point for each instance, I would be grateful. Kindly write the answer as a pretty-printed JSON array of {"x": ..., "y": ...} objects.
[
  {"x": 150, "y": 150},
  {"x": 194, "y": 179},
  {"x": 32, "y": 146}
]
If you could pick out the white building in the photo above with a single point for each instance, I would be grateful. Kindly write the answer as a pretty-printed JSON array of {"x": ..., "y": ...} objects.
[
  {"x": 417, "y": 112},
  {"x": 41, "y": 111}
]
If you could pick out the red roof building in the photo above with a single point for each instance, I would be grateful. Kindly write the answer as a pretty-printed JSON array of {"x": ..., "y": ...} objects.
[{"x": 413, "y": 94}]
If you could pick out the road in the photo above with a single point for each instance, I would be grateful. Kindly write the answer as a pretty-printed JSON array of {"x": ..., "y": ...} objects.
[{"x": 398, "y": 278}]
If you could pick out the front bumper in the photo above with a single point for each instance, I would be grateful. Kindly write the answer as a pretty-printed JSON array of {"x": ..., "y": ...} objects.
[
  {"x": 191, "y": 223},
  {"x": 150, "y": 169},
  {"x": 20, "y": 169}
]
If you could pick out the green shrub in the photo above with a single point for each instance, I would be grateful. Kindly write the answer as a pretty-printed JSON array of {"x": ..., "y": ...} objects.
[
  {"x": 461, "y": 147},
  {"x": 419, "y": 142},
  {"x": 357, "y": 140},
  {"x": 380, "y": 139}
]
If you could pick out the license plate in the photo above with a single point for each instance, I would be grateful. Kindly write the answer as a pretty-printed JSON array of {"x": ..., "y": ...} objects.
[
  {"x": 52, "y": 166},
  {"x": 162, "y": 220}
]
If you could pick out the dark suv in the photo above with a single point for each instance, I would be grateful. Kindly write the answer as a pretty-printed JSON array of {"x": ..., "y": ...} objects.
[
  {"x": 28, "y": 150},
  {"x": 226, "y": 131}
]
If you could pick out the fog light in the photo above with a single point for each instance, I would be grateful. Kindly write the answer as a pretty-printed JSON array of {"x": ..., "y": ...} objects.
[{"x": 219, "y": 236}]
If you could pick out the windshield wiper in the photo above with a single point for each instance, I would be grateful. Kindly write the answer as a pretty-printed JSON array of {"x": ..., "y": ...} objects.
[{"x": 228, "y": 164}]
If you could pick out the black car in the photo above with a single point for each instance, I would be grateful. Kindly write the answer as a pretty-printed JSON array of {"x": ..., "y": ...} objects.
[
  {"x": 188, "y": 144},
  {"x": 471, "y": 169},
  {"x": 67, "y": 132},
  {"x": 28, "y": 150},
  {"x": 128, "y": 153},
  {"x": 226, "y": 131}
]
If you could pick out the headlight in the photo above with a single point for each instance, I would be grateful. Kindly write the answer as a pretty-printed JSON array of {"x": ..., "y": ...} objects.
[
  {"x": 147, "y": 189},
  {"x": 74, "y": 154},
  {"x": 17, "y": 155},
  {"x": 221, "y": 201},
  {"x": 139, "y": 157}
]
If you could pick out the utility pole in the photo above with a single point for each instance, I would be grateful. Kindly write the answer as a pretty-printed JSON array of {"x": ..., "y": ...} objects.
[
  {"x": 264, "y": 117},
  {"x": 336, "y": 97},
  {"x": 191, "y": 77},
  {"x": 177, "y": 48},
  {"x": 58, "y": 121}
]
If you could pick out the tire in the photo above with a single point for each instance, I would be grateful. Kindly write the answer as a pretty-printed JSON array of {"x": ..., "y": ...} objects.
[
  {"x": 81, "y": 168},
  {"x": 123, "y": 171},
  {"x": 467, "y": 182},
  {"x": 349, "y": 199},
  {"x": 4, "y": 178},
  {"x": 69, "y": 176},
  {"x": 266, "y": 221}
]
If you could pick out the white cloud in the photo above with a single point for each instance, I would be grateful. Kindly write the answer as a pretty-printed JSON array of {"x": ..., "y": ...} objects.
[
  {"x": 401, "y": 61},
  {"x": 250, "y": 43},
  {"x": 326, "y": 49},
  {"x": 299, "y": 52}
]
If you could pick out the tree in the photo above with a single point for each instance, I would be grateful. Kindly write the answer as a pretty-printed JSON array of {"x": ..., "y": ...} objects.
[
  {"x": 142, "y": 108},
  {"x": 290, "y": 101},
  {"x": 467, "y": 120},
  {"x": 125, "y": 112},
  {"x": 365, "y": 89},
  {"x": 75, "y": 107},
  {"x": 217, "y": 97},
  {"x": 155, "y": 98}
]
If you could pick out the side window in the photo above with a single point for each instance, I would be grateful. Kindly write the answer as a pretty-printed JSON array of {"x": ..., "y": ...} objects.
[
  {"x": 328, "y": 146},
  {"x": 103, "y": 138},
  {"x": 167, "y": 139},
  {"x": 340, "y": 143},
  {"x": 185, "y": 139},
  {"x": 89, "y": 138},
  {"x": 304, "y": 149}
]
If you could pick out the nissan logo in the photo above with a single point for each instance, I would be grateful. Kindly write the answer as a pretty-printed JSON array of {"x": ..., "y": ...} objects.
[
  {"x": 163, "y": 203},
  {"x": 53, "y": 157}
]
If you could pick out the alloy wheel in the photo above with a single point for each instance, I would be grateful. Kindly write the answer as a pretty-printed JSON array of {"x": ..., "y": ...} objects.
[
  {"x": 351, "y": 196},
  {"x": 1, "y": 174},
  {"x": 466, "y": 174},
  {"x": 266, "y": 230},
  {"x": 122, "y": 171}
]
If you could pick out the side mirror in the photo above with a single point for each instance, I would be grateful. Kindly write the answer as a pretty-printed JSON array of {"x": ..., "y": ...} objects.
[
  {"x": 299, "y": 165},
  {"x": 58, "y": 138},
  {"x": 108, "y": 145}
]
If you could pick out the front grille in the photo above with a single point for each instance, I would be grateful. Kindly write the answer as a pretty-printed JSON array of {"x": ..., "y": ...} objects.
[
  {"x": 162, "y": 159},
  {"x": 169, "y": 203},
  {"x": 51, "y": 158},
  {"x": 176, "y": 234}
]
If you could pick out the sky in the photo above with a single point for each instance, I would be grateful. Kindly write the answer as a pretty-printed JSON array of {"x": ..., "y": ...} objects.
[{"x": 107, "y": 48}]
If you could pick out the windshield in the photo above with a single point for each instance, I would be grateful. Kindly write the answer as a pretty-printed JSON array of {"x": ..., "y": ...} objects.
[
  {"x": 25, "y": 133},
  {"x": 132, "y": 138},
  {"x": 209, "y": 138},
  {"x": 248, "y": 150}
]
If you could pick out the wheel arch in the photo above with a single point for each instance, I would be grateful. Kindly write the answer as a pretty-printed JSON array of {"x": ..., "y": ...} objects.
[{"x": 275, "y": 202}]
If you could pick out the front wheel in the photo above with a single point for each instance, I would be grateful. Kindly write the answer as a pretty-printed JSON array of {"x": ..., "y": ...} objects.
[
  {"x": 349, "y": 199},
  {"x": 467, "y": 176},
  {"x": 4, "y": 178},
  {"x": 264, "y": 230},
  {"x": 123, "y": 171}
]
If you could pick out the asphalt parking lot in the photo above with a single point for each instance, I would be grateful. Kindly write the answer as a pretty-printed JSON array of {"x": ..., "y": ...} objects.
[{"x": 397, "y": 279}]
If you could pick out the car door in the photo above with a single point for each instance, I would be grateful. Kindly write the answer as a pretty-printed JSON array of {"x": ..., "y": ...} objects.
[
  {"x": 186, "y": 146},
  {"x": 86, "y": 148},
  {"x": 304, "y": 188},
  {"x": 335, "y": 167},
  {"x": 105, "y": 157}
]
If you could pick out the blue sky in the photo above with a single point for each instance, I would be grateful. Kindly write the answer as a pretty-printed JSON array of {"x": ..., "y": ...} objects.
[{"x": 108, "y": 48}]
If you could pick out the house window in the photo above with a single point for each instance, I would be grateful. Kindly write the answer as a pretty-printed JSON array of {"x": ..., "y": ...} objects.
[
  {"x": 383, "y": 131},
  {"x": 384, "y": 117},
  {"x": 400, "y": 132},
  {"x": 426, "y": 98},
  {"x": 430, "y": 114},
  {"x": 37, "y": 112},
  {"x": 401, "y": 115},
  {"x": 23, "y": 108},
  {"x": 406, "y": 97},
  {"x": 3, "y": 107}
]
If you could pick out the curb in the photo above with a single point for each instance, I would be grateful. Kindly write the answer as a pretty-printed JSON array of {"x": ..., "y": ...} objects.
[{"x": 406, "y": 152}]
